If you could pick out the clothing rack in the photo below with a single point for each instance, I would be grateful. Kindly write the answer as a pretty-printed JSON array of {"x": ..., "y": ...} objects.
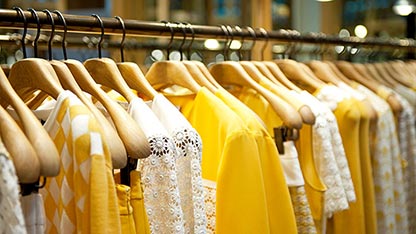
[{"x": 90, "y": 25}]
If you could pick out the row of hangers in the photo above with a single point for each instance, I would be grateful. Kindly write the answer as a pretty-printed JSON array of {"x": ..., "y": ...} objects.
[{"x": 31, "y": 80}]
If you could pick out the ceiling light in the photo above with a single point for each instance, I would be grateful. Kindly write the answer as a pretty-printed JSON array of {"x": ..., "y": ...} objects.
[
  {"x": 403, "y": 7},
  {"x": 360, "y": 31}
]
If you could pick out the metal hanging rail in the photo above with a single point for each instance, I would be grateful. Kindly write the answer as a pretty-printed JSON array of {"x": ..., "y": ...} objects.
[{"x": 90, "y": 25}]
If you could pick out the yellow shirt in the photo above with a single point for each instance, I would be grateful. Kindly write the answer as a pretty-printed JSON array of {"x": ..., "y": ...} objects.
[
  {"x": 230, "y": 160},
  {"x": 82, "y": 198},
  {"x": 281, "y": 214}
]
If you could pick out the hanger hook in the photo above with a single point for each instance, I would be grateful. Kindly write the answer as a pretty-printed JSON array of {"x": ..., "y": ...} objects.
[
  {"x": 50, "y": 41},
  {"x": 240, "y": 31},
  {"x": 183, "y": 39},
  {"x": 22, "y": 41},
  {"x": 227, "y": 35},
  {"x": 188, "y": 49},
  {"x": 266, "y": 35},
  {"x": 100, "y": 43},
  {"x": 253, "y": 38},
  {"x": 123, "y": 26},
  {"x": 231, "y": 33},
  {"x": 35, "y": 42},
  {"x": 172, "y": 34},
  {"x": 65, "y": 30}
]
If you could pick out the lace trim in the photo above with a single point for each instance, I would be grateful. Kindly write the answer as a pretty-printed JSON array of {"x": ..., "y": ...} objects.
[
  {"x": 189, "y": 158},
  {"x": 210, "y": 201},
  {"x": 335, "y": 196},
  {"x": 161, "y": 192}
]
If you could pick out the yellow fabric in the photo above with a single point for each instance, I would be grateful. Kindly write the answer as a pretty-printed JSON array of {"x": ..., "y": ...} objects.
[
  {"x": 126, "y": 210},
  {"x": 304, "y": 218},
  {"x": 314, "y": 186},
  {"x": 366, "y": 168},
  {"x": 281, "y": 213},
  {"x": 231, "y": 159},
  {"x": 136, "y": 198},
  {"x": 85, "y": 190},
  {"x": 353, "y": 219}
]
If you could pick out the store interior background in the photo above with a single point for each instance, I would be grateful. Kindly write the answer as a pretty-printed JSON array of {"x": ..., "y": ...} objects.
[{"x": 336, "y": 17}]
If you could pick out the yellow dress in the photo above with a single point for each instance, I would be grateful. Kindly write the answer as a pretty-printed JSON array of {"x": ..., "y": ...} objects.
[
  {"x": 281, "y": 216},
  {"x": 366, "y": 169},
  {"x": 353, "y": 219},
  {"x": 230, "y": 162},
  {"x": 313, "y": 183},
  {"x": 82, "y": 198}
]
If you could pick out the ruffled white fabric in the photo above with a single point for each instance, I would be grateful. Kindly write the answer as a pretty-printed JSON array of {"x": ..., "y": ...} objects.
[
  {"x": 159, "y": 173},
  {"x": 188, "y": 163}
]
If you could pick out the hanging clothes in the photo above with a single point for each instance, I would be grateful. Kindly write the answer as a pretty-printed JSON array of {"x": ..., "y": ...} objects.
[
  {"x": 11, "y": 218},
  {"x": 230, "y": 165},
  {"x": 82, "y": 197},
  {"x": 188, "y": 163}
]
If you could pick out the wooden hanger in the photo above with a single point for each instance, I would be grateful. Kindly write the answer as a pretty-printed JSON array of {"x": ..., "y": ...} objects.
[
  {"x": 323, "y": 72},
  {"x": 295, "y": 72},
  {"x": 403, "y": 75},
  {"x": 348, "y": 70},
  {"x": 130, "y": 133},
  {"x": 163, "y": 74},
  {"x": 207, "y": 74},
  {"x": 45, "y": 149},
  {"x": 115, "y": 145},
  {"x": 199, "y": 76},
  {"x": 338, "y": 73},
  {"x": 279, "y": 76},
  {"x": 135, "y": 79},
  {"x": 304, "y": 111},
  {"x": 385, "y": 74},
  {"x": 230, "y": 72},
  {"x": 21, "y": 151}
]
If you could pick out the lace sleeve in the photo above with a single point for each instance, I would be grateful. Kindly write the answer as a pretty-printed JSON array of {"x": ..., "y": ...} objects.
[
  {"x": 161, "y": 192},
  {"x": 335, "y": 197},
  {"x": 189, "y": 145},
  {"x": 340, "y": 157}
]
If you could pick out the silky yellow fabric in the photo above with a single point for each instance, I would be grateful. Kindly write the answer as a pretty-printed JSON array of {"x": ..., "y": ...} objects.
[
  {"x": 126, "y": 210},
  {"x": 131, "y": 204},
  {"x": 136, "y": 198},
  {"x": 231, "y": 159},
  {"x": 281, "y": 213},
  {"x": 353, "y": 219},
  {"x": 366, "y": 168},
  {"x": 314, "y": 186}
]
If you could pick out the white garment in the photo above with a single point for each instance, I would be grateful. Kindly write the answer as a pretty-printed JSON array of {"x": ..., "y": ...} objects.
[
  {"x": 159, "y": 173},
  {"x": 11, "y": 216},
  {"x": 34, "y": 212},
  {"x": 330, "y": 157},
  {"x": 291, "y": 165},
  {"x": 188, "y": 163}
]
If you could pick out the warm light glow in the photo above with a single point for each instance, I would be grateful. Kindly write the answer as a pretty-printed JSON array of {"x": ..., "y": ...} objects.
[
  {"x": 235, "y": 45},
  {"x": 344, "y": 33},
  {"x": 212, "y": 44},
  {"x": 403, "y": 7},
  {"x": 360, "y": 31},
  {"x": 324, "y": 0}
]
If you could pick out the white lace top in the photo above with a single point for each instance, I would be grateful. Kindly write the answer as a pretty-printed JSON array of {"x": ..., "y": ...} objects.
[
  {"x": 329, "y": 156},
  {"x": 11, "y": 216},
  {"x": 159, "y": 173},
  {"x": 385, "y": 152},
  {"x": 188, "y": 163}
]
